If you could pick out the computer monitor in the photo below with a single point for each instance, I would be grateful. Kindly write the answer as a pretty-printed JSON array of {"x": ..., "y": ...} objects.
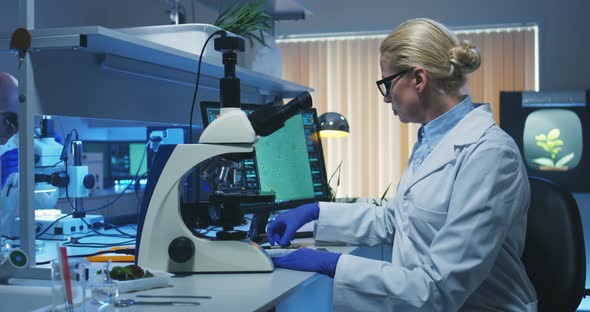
[
  {"x": 122, "y": 160},
  {"x": 552, "y": 132},
  {"x": 290, "y": 161}
]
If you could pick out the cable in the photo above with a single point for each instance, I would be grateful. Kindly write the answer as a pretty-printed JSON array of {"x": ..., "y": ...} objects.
[
  {"x": 202, "y": 233},
  {"x": 116, "y": 228},
  {"x": 190, "y": 129},
  {"x": 77, "y": 135},
  {"x": 138, "y": 207},
  {"x": 76, "y": 239},
  {"x": 65, "y": 160},
  {"x": 57, "y": 163},
  {"x": 91, "y": 227}
]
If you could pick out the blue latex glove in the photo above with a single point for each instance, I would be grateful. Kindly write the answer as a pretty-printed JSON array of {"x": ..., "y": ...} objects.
[
  {"x": 58, "y": 139},
  {"x": 8, "y": 164},
  {"x": 310, "y": 260},
  {"x": 282, "y": 229}
]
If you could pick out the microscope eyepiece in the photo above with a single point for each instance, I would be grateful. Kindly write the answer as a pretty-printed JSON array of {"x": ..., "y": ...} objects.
[{"x": 270, "y": 118}]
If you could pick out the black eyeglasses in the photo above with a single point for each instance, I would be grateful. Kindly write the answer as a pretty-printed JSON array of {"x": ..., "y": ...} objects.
[
  {"x": 385, "y": 84},
  {"x": 11, "y": 120}
]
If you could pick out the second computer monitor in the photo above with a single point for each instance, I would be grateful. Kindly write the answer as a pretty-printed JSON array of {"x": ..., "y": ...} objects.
[{"x": 121, "y": 160}]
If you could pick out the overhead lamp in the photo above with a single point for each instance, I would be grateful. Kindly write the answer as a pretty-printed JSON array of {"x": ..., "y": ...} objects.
[{"x": 333, "y": 125}]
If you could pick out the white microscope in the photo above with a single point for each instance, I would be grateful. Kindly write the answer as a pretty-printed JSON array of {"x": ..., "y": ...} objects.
[
  {"x": 166, "y": 241},
  {"x": 52, "y": 182}
]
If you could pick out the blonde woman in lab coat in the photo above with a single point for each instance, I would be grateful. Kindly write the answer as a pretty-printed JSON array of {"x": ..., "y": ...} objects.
[{"x": 458, "y": 221}]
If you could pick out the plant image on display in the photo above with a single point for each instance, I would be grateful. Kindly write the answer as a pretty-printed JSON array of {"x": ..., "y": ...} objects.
[{"x": 552, "y": 144}]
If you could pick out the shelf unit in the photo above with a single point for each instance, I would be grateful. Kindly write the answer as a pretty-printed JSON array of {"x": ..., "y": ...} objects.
[{"x": 96, "y": 72}]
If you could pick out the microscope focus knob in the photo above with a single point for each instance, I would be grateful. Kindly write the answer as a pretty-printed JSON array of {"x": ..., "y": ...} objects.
[
  {"x": 89, "y": 181},
  {"x": 181, "y": 249}
]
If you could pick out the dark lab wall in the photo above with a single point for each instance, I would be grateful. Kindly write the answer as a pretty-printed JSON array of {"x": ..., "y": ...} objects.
[{"x": 108, "y": 13}]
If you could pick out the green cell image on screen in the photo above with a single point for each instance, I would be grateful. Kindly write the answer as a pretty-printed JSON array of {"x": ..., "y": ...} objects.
[
  {"x": 283, "y": 162},
  {"x": 552, "y": 140},
  {"x": 136, "y": 151}
]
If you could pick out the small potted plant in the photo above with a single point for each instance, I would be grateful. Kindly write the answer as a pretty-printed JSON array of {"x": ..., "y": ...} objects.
[
  {"x": 333, "y": 192},
  {"x": 247, "y": 20},
  {"x": 552, "y": 144}
]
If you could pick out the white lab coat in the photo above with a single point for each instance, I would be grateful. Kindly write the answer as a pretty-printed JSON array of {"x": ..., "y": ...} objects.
[{"x": 459, "y": 223}]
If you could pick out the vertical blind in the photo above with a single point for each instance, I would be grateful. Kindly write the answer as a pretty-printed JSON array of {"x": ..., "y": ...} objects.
[{"x": 343, "y": 69}]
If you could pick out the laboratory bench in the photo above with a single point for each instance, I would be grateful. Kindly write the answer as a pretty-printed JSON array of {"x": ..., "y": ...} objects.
[{"x": 282, "y": 290}]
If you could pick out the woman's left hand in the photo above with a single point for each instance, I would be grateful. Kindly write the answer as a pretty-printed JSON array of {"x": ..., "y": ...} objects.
[{"x": 310, "y": 260}]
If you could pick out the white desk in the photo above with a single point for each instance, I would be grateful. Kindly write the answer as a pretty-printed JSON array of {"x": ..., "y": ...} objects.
[{"x": 282, "y": 289}]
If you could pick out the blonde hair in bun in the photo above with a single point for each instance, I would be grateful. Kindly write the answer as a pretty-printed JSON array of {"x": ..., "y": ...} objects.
[
  {"x": 465, "y": 57},
  {"x": 427, "y": 43}
]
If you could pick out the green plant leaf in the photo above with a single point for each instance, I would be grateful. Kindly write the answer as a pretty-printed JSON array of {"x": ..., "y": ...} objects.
[
  {"x": 246, "y": 20},
  {"x": 229, "y": 12},
  {"x": 543, "y": 162},
  {"x": 564, "y": 160},
  {"x": 541, "y": 137},
  {"x": 553, "y": 134},
  {"x": 222, "y": 16},
  {"x": 554, "y": 152},
  {"x": 260, "y": 39},
  {"x": 554, "y": 143},
  {"x": 335, "y": 171},
  {"x": 543, "y": 145},
  {"x": 558, "y": 142},
  {"x": 334, "y": 192},
  {"x": 385, "y": 193}
]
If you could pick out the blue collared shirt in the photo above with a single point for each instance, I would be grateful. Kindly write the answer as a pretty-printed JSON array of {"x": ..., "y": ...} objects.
[{"x": 432, "y": 133}]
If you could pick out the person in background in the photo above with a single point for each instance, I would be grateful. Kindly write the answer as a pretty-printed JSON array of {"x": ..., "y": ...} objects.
[
  {"x": 8, "y": 126},
  {"x": 458, "y": 221},
  {"x": 8, "y": 147}
]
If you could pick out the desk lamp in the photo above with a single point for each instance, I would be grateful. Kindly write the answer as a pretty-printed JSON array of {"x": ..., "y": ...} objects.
[{"x": 333, "y": 125}]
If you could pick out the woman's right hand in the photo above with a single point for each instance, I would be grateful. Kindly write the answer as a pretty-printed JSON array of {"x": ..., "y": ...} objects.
[{"x": 282, "y": 229}]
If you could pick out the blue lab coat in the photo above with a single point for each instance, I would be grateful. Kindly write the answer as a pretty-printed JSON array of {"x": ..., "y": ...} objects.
[{"x": 459, "y": 223}]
